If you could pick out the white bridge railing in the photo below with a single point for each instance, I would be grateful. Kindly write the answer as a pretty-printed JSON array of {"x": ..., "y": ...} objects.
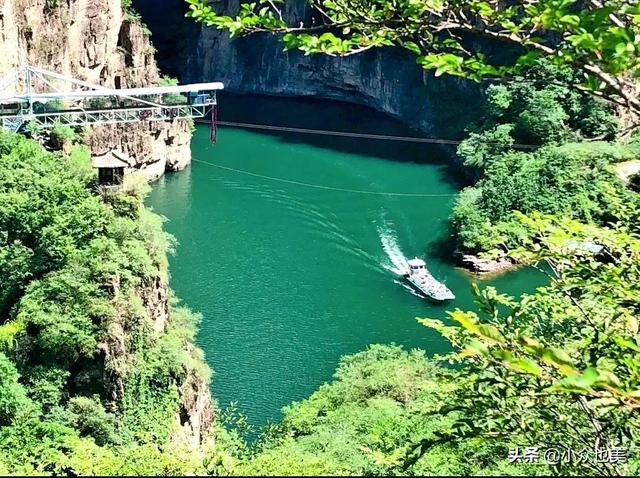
[
  {"x": 49, "y": 98},
  {"x": 108, "y": 116}
]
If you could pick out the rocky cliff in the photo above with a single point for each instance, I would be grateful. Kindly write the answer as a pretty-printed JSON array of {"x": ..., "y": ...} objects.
[
  {"x": 118, "y": 357},
  {"x": 388, "y": 80},
  {"x": 96, "y": 41}
]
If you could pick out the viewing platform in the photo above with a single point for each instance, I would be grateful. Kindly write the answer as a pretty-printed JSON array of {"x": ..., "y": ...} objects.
[{"x": 31, "y": 94}]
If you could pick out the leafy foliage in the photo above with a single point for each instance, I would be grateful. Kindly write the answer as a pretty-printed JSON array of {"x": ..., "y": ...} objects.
[
  {"x": 13, "y": 396},
  {"x": 34, "y": 239},
  {"x": 88, "y": 416},
  {"x": 558, "y": 367},
  {"x": 526, "y": 153},
  {"x": 596, "y": 38},
  {"x": 367, "y": 422},
  {"x": 479, "y": 149},
  {"x": 63, "y": 132},
  {"x": 573, "y": 180},
  {"x": 84, "y": 372}
]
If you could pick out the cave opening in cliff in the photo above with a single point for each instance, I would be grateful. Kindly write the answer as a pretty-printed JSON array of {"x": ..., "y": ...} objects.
[{"x": 173, "y": 35}]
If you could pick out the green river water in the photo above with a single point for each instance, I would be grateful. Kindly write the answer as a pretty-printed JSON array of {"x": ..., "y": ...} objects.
[{"x": 290, "y": 275}]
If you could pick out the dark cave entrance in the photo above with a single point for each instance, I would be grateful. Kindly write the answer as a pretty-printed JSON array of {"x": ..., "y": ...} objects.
[{"x": 173, "y": 35}]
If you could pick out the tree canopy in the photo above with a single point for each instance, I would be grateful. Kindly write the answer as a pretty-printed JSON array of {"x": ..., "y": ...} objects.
[
  {"x": 74, "y": 267},
  {"x": 599, "y": 39},
  {"x": 559, "y": 367}
]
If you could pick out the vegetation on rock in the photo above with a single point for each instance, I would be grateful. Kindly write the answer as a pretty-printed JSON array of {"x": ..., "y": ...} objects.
[
  {"x": 567, "y": 168},
  {"x": 87, "y": 370},
  {"x": 597, "y": 39},
  {"x": 91, "y": 371},
  {"x": 557, "y": 368}
]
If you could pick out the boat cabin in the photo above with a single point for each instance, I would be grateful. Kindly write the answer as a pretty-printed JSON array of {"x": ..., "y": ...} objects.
[
  {"x": 416, "y": 265},
  {"x": 111, "y": 167}
]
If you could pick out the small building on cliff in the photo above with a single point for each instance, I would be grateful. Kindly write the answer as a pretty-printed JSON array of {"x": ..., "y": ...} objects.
[{"x": 111, "y": 166}]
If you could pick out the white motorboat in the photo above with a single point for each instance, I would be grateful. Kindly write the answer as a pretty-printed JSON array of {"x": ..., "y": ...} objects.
[{"x": 420, "y": 278}]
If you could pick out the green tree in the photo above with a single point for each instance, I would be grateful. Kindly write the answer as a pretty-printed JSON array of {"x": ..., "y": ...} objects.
[
  {"x": 543, "y": 120},
  {"x": 561, "y": 367},
  {"x": 61, "y": 132},
  {"x": 171, "y": 98},
  {"x": 46, "y": 212},
  {"x": 479, "y": 149},
  {"x": 88, "y": 416},
  {"x": 574, "y": 180},
  {"x": 13, "y": 397},
  {"x": 595, "y": 38},
  {"x": 472, "y": 226},
  {"x": 366, "y": 422},
  {"x": 87, "y": 382}
]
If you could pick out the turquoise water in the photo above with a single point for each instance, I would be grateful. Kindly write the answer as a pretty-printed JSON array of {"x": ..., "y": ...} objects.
[{"x": 288, "y": 242}]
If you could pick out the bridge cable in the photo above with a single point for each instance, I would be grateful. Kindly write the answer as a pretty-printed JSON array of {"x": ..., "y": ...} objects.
[
  {"x": 321, "y": 186},
  {"x": 412, "y": 139}
]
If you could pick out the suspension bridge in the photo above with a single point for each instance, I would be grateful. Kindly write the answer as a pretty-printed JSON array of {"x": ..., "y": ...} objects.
[{"x": 29, "y": 94}]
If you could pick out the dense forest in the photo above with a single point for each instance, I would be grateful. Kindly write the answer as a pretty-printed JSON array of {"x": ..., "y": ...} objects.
[
  {"x": 94, "y": 366},
  {"x": 538, "y": 146},
  {"x": 90, "y": 372}
]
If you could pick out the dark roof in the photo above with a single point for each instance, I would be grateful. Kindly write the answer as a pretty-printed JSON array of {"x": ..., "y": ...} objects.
[{"x": 110, "y": 159}]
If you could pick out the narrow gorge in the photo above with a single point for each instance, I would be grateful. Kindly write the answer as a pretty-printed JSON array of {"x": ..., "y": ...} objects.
[{"x": 416, "y": 259}]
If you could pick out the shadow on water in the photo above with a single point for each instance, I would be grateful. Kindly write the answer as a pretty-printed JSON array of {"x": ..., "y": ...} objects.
[
  {"x": 321, "y": 114},
  {"x": 442, "y": 247}
]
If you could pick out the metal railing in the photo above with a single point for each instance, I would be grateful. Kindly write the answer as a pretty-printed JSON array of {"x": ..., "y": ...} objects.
[
  {"x": 79, "y": 103},
  {"x": 108, "y": 116}
]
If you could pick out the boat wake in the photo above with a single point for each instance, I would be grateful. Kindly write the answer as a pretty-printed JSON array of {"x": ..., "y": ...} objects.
[{"x": 396, "y": 261}]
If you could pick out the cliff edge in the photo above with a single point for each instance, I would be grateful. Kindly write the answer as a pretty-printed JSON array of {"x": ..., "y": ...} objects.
[{"x": 101, "y": 42}]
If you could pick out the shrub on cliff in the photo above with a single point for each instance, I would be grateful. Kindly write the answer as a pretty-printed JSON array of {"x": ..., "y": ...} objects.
[
  {"x": 537, "y": 108},
  {"x": 369, "y": 421},
  {"x": 553, "y": 173}
]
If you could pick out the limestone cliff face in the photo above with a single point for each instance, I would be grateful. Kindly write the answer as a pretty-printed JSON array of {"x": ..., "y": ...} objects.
[
  {"x": 388, "y": 80},
  {"x": 94, "y": 40}
]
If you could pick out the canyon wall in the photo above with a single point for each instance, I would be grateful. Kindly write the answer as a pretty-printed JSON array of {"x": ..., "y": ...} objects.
[
  {"x": 388, "y": 80},
  {"x": 99, "y": 42},
  {"x": 118, "y": 357}
]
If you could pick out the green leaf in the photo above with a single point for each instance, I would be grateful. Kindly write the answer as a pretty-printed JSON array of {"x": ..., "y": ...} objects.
[
  {"x": 625, "y": 343},
  {"x": 490, "y": 332},
  {"x": 572, "y": 21},
  {"x": 468, "y": 320},
  {"x": 475, "y": 347},
  {"x": 525, "y": 365},
  {"x": 412, "y": 46},
  {"x": 483, "y": 9},
  {"x": 556, "y": 357}
]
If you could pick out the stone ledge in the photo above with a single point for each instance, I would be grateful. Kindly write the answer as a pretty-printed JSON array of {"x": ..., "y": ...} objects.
[{"x": 484, "y": 266}]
